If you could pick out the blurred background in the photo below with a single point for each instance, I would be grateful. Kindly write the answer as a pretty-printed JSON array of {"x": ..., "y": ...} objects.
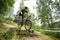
[{"x": 44, "y": 15}]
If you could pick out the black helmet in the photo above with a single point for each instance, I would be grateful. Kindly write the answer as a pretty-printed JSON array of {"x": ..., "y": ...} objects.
[{"x": 26, "y": 7}]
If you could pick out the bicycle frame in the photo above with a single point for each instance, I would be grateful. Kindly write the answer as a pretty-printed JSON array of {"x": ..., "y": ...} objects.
[{"x": 25, "y": 19}]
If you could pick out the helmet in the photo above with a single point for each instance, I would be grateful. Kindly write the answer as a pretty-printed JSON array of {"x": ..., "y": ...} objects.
[{"x": 26, "y": 7}]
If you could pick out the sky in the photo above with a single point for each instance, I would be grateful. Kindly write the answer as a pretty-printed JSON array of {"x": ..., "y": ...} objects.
[{"x": 16, "y": 6}]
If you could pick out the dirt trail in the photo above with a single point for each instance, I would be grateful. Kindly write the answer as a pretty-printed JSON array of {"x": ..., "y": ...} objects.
[
  {"x": 34, "y": 36},
  {"x": 9, "y": 25},
  {"x": 24, "y": 35}
]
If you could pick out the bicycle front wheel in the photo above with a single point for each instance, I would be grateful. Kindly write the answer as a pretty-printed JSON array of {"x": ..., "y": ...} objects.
[{"x": 28, "y": 25}]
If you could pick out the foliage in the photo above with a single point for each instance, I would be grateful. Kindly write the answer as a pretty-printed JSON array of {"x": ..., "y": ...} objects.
[
  {"x": 9, "y": 34},
  {"x": 56, "y": 24},
  {"x": 5, "y": 6},
  {"x": 54, "y": 34},
  {"x": 45, "y": 12}
]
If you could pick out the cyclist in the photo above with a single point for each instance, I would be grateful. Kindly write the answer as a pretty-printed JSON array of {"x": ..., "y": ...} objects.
[{"x": 21, "y": 14}]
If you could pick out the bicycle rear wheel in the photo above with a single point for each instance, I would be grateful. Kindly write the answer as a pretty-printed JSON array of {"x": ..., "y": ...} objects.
[{"x": 28, "y": 25}]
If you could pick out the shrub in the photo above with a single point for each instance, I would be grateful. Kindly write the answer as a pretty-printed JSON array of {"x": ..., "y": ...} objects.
[
  {"x": 9, "y": 34},
  {"x": 54, "y": 34}
]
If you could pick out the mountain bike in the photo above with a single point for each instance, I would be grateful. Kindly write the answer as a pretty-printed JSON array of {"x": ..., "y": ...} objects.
[{"x": 27, "y": 23}]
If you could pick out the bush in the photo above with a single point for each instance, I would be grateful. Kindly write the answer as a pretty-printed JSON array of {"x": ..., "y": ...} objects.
[
  {"x": 9, "y": 34},
  {"x": 54, "y": 34}
]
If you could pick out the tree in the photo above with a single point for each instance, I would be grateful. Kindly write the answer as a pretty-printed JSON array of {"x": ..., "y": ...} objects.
[
  {"x": 45, "y": 11},
  {"x": 5, "y": 6}
]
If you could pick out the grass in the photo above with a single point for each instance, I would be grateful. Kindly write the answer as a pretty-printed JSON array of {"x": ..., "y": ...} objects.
[
  {"x": 14, "y": 34},
  {"x": 52, "y": 34}
]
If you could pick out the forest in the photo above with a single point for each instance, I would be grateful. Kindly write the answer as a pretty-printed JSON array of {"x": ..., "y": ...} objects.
[{"x": 41, "y": 22}]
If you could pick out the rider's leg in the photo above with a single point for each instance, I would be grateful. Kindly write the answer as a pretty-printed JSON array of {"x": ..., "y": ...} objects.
[
  {"x": 20, "y": 18},
  {"x": 20, "y": 22}
]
